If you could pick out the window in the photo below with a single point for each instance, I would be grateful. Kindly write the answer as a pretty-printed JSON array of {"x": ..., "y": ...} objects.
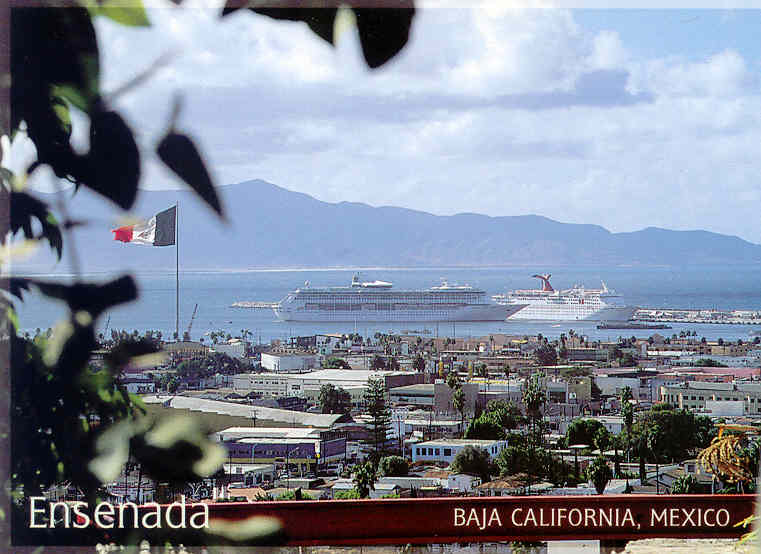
[
  {"x": 418, "y": 451},
  {"x": 437, "y": 451},
  {"x": 447, "y": 452}
]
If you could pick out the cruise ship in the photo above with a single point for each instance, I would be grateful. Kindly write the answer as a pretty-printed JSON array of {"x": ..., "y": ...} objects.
[
  {"x": 378, "y": 301},
  {"x": 577, "y": 303}
]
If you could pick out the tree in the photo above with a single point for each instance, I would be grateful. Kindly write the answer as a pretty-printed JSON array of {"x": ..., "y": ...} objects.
[
  {"x": 685, "y": 484},
  {"x": 626, "y": 394},
  {"x": 627, "y": 360},
  {"x": 583, "y": 431},
  {"x": 546, "y": 355},
  {"x": 708, "y": 362},
  {"x": 484, "y": 428},
  {"x": 56, "y": 397},
  {"x": 602, "y": 440},
  {"x": 458, "y": 402},
  {"x": 393, "y": 466},
  {"x": 375, "y": 403},
  {"x": 453, "y": 380},
  {"x": 599, "y": 473},
  {"x": 335, "y": 363},
  {"x": 627, "y": 413},
  {"x": 418, "y": 364},
  {"x": 334, "y": 400},
  {"x": 678, "y": 433},
  {"x": 492, "y": 424},
  {"x": 364, "y": 479},
  {"x": 393, "y": 364},
  {"x": 506, "y": 414},
  {"x": 533, "y": 397},
  {"x": 473, "y": 460}
]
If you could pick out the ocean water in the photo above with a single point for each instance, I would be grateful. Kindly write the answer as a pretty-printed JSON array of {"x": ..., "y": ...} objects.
[{"x": 705, "y": 287}]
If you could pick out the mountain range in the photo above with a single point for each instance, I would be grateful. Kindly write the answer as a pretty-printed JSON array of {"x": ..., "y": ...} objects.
[{"x": 269, "y": 226}]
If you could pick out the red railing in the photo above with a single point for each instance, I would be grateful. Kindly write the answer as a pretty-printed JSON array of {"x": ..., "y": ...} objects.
[{"x": 492, "y": 519}]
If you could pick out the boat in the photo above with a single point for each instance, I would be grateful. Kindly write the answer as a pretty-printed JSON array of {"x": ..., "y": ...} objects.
[
  {"x": 378, "y": 301},
  {"x": 629, "y": 325},
  {"x": 574, "y": 304}
]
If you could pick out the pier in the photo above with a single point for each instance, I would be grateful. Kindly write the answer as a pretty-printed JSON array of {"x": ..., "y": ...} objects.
[
  {"x": 255, "y": 305},
  {"x": 673, "y": 315}
]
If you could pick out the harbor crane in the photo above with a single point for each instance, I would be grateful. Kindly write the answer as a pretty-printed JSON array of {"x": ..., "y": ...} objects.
[{"x": 190, "y": 325}]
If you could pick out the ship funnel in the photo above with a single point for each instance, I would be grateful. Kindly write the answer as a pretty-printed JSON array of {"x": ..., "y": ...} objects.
[{"x": 545, "y": 282}]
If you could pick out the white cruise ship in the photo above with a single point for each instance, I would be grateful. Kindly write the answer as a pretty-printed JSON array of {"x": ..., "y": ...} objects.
[
  {"x": 572, "y": 304},
  {"x": 377, "y": 301}
]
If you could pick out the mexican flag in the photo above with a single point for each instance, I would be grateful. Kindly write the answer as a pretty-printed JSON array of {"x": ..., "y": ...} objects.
[{"x": 157, "y": 231}]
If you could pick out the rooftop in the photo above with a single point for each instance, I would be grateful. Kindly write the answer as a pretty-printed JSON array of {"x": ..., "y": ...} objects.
[
  {"x": 303, "y": 419},
  {"x": 459, "y": 442}
]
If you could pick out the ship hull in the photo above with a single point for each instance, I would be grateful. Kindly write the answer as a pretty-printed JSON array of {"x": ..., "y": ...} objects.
[
  {"x": 476, "y": 312},
  {"x": 541, "y": 312}
]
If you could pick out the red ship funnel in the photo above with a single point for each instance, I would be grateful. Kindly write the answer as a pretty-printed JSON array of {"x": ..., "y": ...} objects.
[{"x": 545, "y": 282}]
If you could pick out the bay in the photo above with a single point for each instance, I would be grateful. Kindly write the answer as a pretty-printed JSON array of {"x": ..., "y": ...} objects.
[{"x": 689, "y": 287}]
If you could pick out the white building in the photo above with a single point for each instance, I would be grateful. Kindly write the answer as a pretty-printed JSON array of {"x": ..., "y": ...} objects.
[
  {"x": 445, "y": 450},
  {"x": 235, "y": 348},
  {"x": 138, "y": 384},
  {"x": 693, "y": 395},
  {"x": 283, "y": 363},
  {"x": 612, "y": 386}
]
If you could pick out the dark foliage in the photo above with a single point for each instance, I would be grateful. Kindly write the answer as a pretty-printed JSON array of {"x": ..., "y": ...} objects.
[{"x": 72, "y": 423}]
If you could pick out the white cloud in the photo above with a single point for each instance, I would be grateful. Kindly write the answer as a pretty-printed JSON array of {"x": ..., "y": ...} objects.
[
  {"x": 723, "y": 74},
  {"x": 608, "y": 52},
  {"x": 500, "y": 112}
]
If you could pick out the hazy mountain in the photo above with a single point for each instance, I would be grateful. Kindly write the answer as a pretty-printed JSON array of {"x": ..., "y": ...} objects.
[{"x": 272, "y": 227}]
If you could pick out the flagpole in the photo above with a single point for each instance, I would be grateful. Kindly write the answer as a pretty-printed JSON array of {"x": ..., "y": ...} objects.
[{"x": 177, "y": 270}]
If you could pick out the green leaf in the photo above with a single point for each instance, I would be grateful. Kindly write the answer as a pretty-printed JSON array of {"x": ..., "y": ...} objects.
[
  {"x": 383, "y": 32},
  {"x": 94, "y": 299},
  {"x": 175, "y": 448},
  {"x": 62, "y": 111},
  {"x": 257, "y": 529},
  {"x": 179, "y": 153},
  {"x": 7, "y": 176},
  {"x": 12, "y": 317},
  {"x": 65, "y": 49},
  {"x": 130, "y": 13},
  {"x": 23, "y": 208},
  {"x": 71, "y": 94},
  {"x": 112, "y": 452},
  {"x": 113, "y": 163}
]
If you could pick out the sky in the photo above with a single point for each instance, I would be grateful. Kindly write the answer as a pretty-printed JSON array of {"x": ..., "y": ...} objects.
[{"x": 622, "y": 118}]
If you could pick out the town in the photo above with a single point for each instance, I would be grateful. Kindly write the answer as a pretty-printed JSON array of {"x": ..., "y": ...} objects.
[{"x": 345, "y": 416}]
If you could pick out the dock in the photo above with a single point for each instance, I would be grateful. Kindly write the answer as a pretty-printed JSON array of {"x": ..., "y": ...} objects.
[
  {"x": 255, "y": 305},
  {"x": 674, "y": 315}
]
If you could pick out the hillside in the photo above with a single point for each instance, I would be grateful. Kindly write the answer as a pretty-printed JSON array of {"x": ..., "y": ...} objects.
[{"x": 273, "y": 227}]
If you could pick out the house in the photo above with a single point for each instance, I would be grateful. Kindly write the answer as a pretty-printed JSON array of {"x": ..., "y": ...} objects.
[
  {"x": 445, "y": 450},
  {"x": 462, "y": 483},
  {"x": 511, "y": 485},
  {"x": 283, "y": 363}
]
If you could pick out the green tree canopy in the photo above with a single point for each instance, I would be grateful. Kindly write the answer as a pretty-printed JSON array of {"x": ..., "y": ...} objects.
[
  {"x": 583, "y": 431},
  {"x": 393, "y": 466},
  {"x": 335, "y": 362},
  {"x": 473, "y": 460},
  {"x": 546, "y": 355},
  {"x": 677, "y": 433},
  {"x": 334, "y": 400},
  {"x": 56, "y": 67},
  {"x": 599, "y": 473},
  {"x": 364, "y": 479},
  {"x": 375, "y": 404}
]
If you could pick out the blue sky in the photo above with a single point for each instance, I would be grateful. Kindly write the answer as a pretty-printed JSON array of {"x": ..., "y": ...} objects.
[
  {"x": 692, "y": 33},
  {"x": 622, "y": 118}
]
